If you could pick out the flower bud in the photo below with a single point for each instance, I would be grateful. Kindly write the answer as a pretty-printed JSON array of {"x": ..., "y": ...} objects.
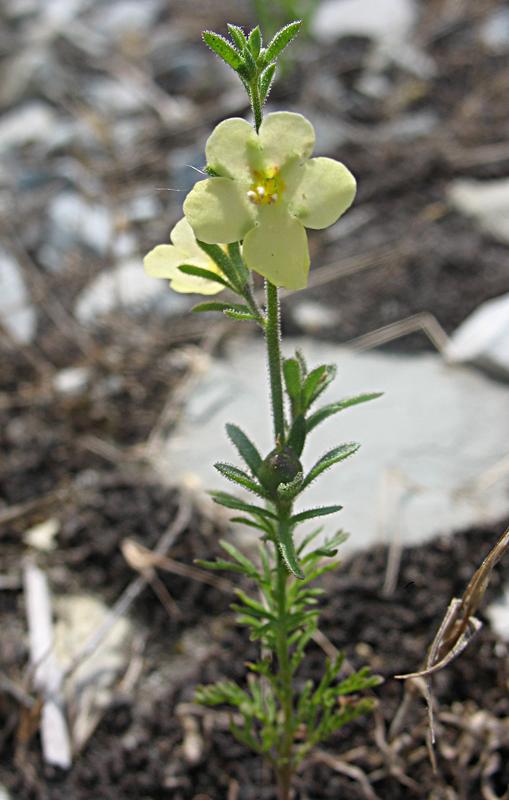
[{"x": 280, "y": 466}]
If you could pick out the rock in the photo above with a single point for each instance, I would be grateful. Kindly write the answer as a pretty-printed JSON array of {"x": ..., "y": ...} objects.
[
  {"x": 127, "y": 286},
  {"x": 312, "y": 317},
  {"x": 73, "y": 219},
  {"x": 407, "y": 127},
  {"x": 17, "y": 315},
  {"x": 424, "y": 444},
  {"x": 483, "y": 338},
  {"x": 498, "y": 615},
  {"x": 112, "y": 97},
  {"x": 90, "y": 687},
  {"x": 71, "y": 381},
  {"x": 486, "y": 201},
  {"x": 42, "y": 536},
  {"x": 30, "y": 123},
  {"x": 116, "y": 19},
  {"x": 494, "y": 32},
  {"x": 386, "y": 21}
]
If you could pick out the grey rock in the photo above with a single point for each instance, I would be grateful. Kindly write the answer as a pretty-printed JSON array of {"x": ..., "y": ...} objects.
[
  {"x": 17, "y": 314},
  {"x": 128, "y": 287},
  {"x": 494, "y": 31},
  {"x": 424, "y": 444},
  {"x": 386, "y": 21},
  {"x": 483, "y": 338},
  {"x": 75, "y": 220},
  {"x": 498, "y": 615},
  {"x": 313, "y": 317},
  {"x": 486, "y": 201},
  {"x": 408, "y": 127},
  {"x": 71, "y": 381},
  {"x": 30, "y": 123}
]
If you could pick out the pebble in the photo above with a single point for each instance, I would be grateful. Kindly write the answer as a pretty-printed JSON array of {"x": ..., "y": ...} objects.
[
  {"x": 73, "y": 219},
  {"x": 486, "y": 201},
  {"x": 71, "y": 381},
  {"x": 31, "y": 123},
  {"x": 17, "y": 314},
  {"x": 384, "y": 21},
  {"x": 313, "y": 317},
  {"x": 483, "y": 338},
  {"x": 494, "y": 31}
]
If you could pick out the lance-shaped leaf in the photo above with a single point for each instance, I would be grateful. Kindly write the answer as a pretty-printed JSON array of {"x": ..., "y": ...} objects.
[
  {"x": 201, "y": 308},
  {"x": 230, "y": 501},
  {"x": 266, "y": 80},
  {"x": 255, "y": 41},
  {"x": 293, "y": 378},
  {"x": 237, "y": 35},
  {"x": 240, "y": 558},
  {"x": 246, "y": 449},
  {"x": 311, "y": 513},
  {"x": 243, "y": 316},
  {"x": 334, "y": 408},
  {"x": 240, "y": 477},
  {"x": 287, "y": 548},
  {"x": 223, "y": 49},
  {"x": 281, "y": 40},
  {"x": 217, "y": 254},
  {"x": 288, "y": 491},
  {"x": 329, "y": 459},
  {"x": 297, "y": 436},
  {"x": 199, "y": 272},
  {"x": 316, "y": 382}
]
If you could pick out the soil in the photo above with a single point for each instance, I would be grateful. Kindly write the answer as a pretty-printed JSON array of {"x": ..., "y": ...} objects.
[{"x": 80, "y": 456}]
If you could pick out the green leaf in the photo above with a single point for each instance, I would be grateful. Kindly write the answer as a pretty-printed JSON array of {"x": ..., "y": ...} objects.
[
  {"x": 249, "y": 66},
  {"x": 287, "y": 491},
  {"x": 240, "y": 558},
  {"x": 203, "y": 307},
  {"x": 287, "y": 548},
  {"x": 308, "y": 539},
  {"x": 311, "y": 513},
  {"x": 245, "y": 447},
  {"x": 266, "y": 79},
  {"x": 281, "y": 40},
  {"x": 259, "y": 525},
  {"x": 240, "y": 477},
  {"x": 302, "y": 361},
  {"x": 297, "y": 435},
  {"x": 293, "y": 378},
  {"x": 199, "y": 272},
  {"x": 222, "y": 47},
  {"x": 255, "y": 41},
  {"x": 220, "y": 564},
  {"x": 334, "y": 456},
  {"x": 230, "y": 501},
  {"x": 245, "y": 316},
  {"x": 253, "y": 605},
  {"x": 334, "y": 408},
  {"x": 237, "y": 35},
  {"x": 316, "y": 382},
  {"x": 219, "y": 257},
  {"x": 236, "y": 258}
]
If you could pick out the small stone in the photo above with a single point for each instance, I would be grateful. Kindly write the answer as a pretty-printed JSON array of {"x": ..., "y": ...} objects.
[
  {"x": 30, "y": 123},
  {"x": 483, "y": 338},
  {"x": 71, "y": 381},
  {"x": 42, "y": 537},
  {"x": 313, "y": 317},
  {"x": 17, "y": 315},
  {"x": 383, "y": 21},
  {"x": 74, "y": 219},
  {"x": 486, "y": 201},
  {"x": 498, "y": 615},
  {"x": 494, "y": 31}
]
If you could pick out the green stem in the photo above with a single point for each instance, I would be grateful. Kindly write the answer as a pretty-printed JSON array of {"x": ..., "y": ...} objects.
[
  {"x": 254, "y": 91},
  {"x": 284, "y": 767},
  {"x": 273, "y": 336}
]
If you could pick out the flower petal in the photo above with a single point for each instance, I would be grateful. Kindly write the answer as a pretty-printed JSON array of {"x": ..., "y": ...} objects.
[
  {"x": 187, "y": 284},
  {"x": 184, "y": 240},
  {"x": 229, "y": 146},
  {"x": 286, "y": 136},
  {"x": 163, "y": 261},
  {"x": 219, "y": 211},
  {"x": 277, "y": 248},
  {"x": 327, "y": 188}
]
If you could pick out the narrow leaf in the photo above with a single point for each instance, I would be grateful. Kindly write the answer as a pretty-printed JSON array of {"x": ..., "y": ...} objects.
[
  {"x": 249, "y": 66},
  {"x": 245, "y": 447},
  {"x": 230, "y": 501},
  {"x": 223, "y": 49},
  {"x": 203, "y": 307},
  {"x": 293, "y": 377},
  {"x": 281, "y": 40},
  {"x": 311, "y": 513},
  {"x": 287, "y": 491},
  {"x": 287, "y": 549},
  {"x": 297, "y": 435},
  {"x": 237, "y": 35},
  {"x": 316, "y": 382},
  {"x": 220, "y": 258},
  {"x": 199, "y": 272},
  {"x": 246, "y": 316},
  {"x": 255, "y": 41},
  {"x": 259, "y": 525},
  {"x": 219, "y": 564},
  {"x": 329, "y": 459},
  {"x": 334, "y": 408},
  {"x": 240, "y": 477},
  {"x": 239, "y": 557},
  {"x": 266, "y": 79}
]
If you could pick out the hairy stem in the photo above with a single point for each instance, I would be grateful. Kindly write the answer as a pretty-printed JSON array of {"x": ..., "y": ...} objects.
[
  {"x": 273, "y": 337},
  {"x": 284, "y": 765},
  {"x": 256, "y": 104}
]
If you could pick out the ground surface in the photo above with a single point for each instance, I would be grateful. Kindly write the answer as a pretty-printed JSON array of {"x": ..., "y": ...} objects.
[{"x": 79, "y": 456}]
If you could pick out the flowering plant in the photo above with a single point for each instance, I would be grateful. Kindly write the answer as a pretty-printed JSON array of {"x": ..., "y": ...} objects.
[{"x": 249, "y": 215}]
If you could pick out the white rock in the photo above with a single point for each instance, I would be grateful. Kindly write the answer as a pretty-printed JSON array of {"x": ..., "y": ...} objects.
[
  {"x": 17, "y": 315},
  {"x": 485, "y": 201},
  {"x": 424, "y": 444},
  {"x": 42, "y": 536},
  {"x": 483, "y": 338},
  {"x": 313, "y": 317},
  {"x": 4, "y": 794},
  {"x": 498, "y": 615},
  {"x": 384, "y": 21},
  {"x": 118, "y": 18},
  {"x": 127, "y": 286},
  {"x": 73, "y": 219},
  {"x": 494, "y": 31},
  {"x": 71, "y": 381},
  {"x": 32, "y": 122},
  {"x": 90, "y": 687}
]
